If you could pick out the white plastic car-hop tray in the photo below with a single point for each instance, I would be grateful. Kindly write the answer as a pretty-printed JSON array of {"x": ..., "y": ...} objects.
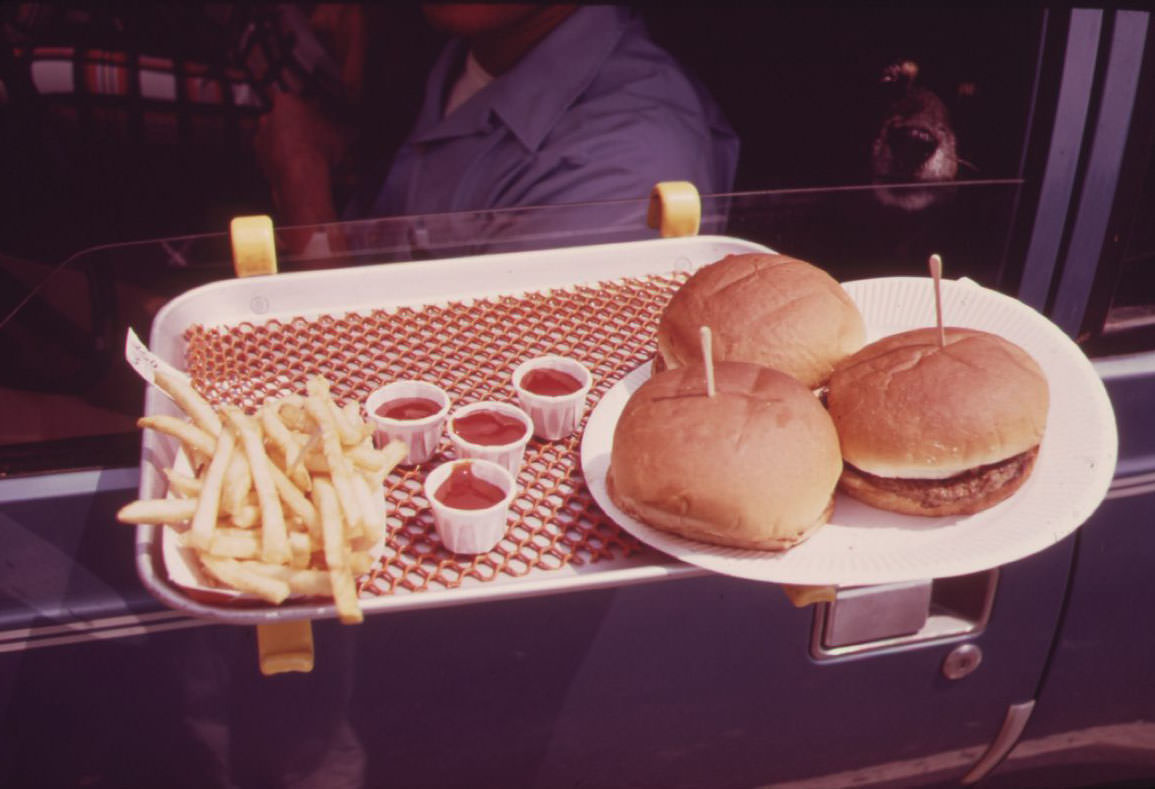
[{"x": 464, "y": 323}]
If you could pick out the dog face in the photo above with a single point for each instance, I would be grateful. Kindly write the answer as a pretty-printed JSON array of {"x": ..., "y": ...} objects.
[{"x": 915, "y": 141}]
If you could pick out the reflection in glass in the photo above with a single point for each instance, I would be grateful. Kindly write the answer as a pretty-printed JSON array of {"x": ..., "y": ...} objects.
[{"x": 70, "y": 401}]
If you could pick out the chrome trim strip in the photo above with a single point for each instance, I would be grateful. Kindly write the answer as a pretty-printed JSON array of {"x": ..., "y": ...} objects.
[
  {"x": 1125, "y": 490},
  {"x": 102, "y": 635},
  {"x": 1059, "y": 177},
  {"x": 1100, "y": 182},
  {"x": 1004, "y": 741},
  {"x": 82, "y": 626},
  {"x": 1129, "y": 365},
  {"x": 1133, "y": 480},
  {"x": 70, "y": 483}
]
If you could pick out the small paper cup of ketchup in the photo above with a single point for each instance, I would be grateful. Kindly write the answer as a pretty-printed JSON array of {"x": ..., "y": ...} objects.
[
  {"x": 552, "y": 390},
  {"x": 491, "y": 430},
  {"x": 470, "y": 501},
  {"x": 413, "y": 411}
]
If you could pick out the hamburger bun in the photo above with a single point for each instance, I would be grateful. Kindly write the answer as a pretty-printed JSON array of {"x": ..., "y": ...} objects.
[
  {"x": 754, "y": 466},
  {"x": 768, "y": 309},
  {"x": 930, "y": 430}
]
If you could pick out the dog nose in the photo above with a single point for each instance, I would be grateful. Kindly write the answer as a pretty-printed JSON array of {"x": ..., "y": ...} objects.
[{"x": 911, "y": 145}]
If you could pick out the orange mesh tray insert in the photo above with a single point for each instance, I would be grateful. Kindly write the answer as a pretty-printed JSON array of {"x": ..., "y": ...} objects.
[{"x": 470, "y": 349}]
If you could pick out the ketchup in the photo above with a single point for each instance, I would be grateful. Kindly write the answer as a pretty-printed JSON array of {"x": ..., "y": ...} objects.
[
  {"x": 551, "y": 383},
  {"x": 463, "y": 490},
  {"x": 490, "y": 428},
  {"x": 408, "y": 408}
]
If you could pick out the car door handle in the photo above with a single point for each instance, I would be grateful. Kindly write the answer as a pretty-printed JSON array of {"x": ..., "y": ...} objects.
[{"x": 868, "y": 618}]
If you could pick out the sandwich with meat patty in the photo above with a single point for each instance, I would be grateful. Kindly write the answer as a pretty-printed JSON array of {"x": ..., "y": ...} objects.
[
  {"x": 754, "y": 466},
  {"x": 768, "y": 309},
  {"x": 930, "y": 429}
]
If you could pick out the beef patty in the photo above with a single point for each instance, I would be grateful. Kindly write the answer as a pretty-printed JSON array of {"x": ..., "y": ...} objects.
[{"x": 992, "y": 482}]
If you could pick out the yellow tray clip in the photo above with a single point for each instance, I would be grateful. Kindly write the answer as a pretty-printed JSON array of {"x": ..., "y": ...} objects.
[{"x": 675, "y": 209}]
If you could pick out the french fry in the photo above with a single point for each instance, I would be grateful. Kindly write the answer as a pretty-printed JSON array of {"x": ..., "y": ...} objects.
[
  {"x": 237, "y": 483},
  {"x": 193, "y": 437},
  {"x": 375, "y": 483},
  {"x": 243, "y": 577},
  {"x": 336, "y": 554},
  {"x": 361, "y": 457},
  {"x": 360, "y": 562},
  {"x": 332, "y": 525},
  {"x": 315, "y": 463},
  {"x": 274, "y": 533},
  {"x": 345, "y": 596},
  {"x": 296, "y": 501},
  {"x": 340, "y": 470},
  {"x": 190, "y": 401},
  {"x": 313, "y": 583},
  {"x": 351, "y": 434},
  {"x": 360, "y": 545},
  {"x": 372, "y": 524},
  {"x": 391, "y": 454},
  {"x": 352, "y": 412},
  {"x": 340, "y": 576},
  {"x": 310, "y": 454},
  {"x": 378, "y": 524},
  {"x": 354, "y": 429},
  {"x": 248, "y": 516},
  {"x": 281, "y": 437},
  {"x": 291, "y": 410},
  {"x": 371, "y": 459},
  {"x": 315, "y": 533},
  {"x": 309, "y": 582},
  {"x": 302, "y": 547},
  {"x": 232, "y": 543},
  {"x": 182, "y": 484},
  {"x": 171, "y": 511},
  {"x": 208, "y": 503}
]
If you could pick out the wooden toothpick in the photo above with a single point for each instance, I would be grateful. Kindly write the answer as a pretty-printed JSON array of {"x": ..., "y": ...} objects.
[
  {"x": 708, "y": 358},
  {"x": 935, "y": 264}
]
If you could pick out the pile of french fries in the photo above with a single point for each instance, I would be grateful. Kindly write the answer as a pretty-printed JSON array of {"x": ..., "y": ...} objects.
[{"x": 284, "y": 502}]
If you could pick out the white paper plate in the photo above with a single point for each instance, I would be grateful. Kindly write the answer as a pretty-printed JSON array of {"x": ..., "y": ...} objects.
[{"x": 864, "y": 545}]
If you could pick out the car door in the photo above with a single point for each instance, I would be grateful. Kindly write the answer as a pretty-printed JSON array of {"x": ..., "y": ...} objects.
[{"x": 1093, "y": 719}]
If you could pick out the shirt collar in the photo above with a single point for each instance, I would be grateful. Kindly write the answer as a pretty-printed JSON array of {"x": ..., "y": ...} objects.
[{"x": 532, "y": 96}]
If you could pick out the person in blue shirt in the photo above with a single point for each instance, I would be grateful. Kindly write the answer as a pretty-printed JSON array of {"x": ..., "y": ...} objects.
[{"x": 528, "y": 105}]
